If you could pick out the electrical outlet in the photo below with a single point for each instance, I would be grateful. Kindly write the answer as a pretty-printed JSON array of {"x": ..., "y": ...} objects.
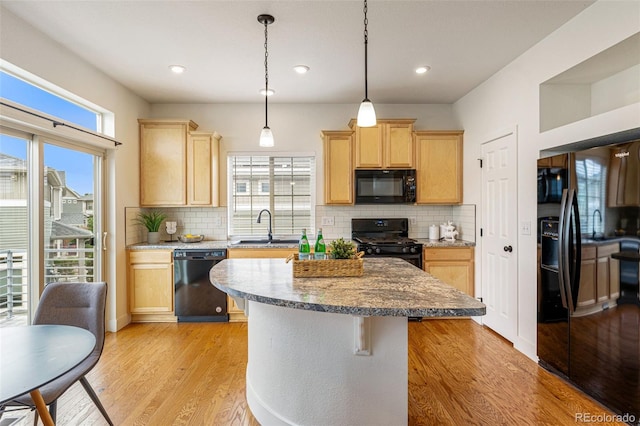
[
  {"x": 412, "y": 221},
  {"x": 217, "y": 221},
  {"x": 525, "y": 228},
  {"x": 328, "y": 221}
]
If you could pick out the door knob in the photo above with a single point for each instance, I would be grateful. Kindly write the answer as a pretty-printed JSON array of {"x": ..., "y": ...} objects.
[{"x": 508, "y": 248}]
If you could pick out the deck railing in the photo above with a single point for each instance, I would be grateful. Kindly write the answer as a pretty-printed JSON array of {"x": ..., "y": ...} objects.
[
  {"x": 13, "y": 282},
  {"x": 61, "y": 265}
]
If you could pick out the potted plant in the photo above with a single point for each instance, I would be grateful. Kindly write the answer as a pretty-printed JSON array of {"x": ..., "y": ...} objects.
[
  {"x": 152, "y": 221},
  {"x": 341, "y": 249}
]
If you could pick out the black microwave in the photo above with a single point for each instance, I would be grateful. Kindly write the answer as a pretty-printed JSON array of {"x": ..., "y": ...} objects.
[
  {"x": 551, "y": 182},
  {"x": 385, "y": 186}
]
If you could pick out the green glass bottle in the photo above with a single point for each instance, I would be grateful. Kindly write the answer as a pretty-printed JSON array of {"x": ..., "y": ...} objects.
[
  {"x": 304, "y": 249},
  {"x": 320, "y": 249}
]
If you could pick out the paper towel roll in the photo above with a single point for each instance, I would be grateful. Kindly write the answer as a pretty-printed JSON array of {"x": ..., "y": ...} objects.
[{"x": 434, "y": 232}]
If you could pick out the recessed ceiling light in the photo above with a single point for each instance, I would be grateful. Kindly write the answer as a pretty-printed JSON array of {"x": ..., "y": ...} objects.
[
  {"x": 301, "y": 69},
  {"x": 177, "y": 69},
  {"x": 423, "y": 69},
  {"x": 269, "y": 92}
]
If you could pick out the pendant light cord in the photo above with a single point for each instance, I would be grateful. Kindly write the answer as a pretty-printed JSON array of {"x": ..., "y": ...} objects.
[
  {"x": 266, "y": 75},
  {"x": 366, "y": 42}
]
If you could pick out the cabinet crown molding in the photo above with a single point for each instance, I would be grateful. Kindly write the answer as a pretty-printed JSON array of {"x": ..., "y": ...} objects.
[
  {"x": 192, "y": 124},
  {"x": 353, "y": 121}
]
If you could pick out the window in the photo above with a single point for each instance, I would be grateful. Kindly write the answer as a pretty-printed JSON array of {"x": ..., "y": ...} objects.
[
  {"x": 27, "y": 94},
  {"x": 241, "y": 187},
  {"x": 591, "y": 179},
  {"x": 284, "y": 185},
  {"x": 45, "y": 184}
]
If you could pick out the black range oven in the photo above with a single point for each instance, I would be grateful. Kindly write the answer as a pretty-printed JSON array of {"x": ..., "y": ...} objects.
[{"x": 386, "y": 238}]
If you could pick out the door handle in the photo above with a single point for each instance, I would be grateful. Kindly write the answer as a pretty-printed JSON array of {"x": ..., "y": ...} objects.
[{"x": 508, "y": 248}]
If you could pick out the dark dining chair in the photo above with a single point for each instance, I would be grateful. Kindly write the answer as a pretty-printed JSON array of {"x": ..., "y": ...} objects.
[{"x": 81, "y": 305}]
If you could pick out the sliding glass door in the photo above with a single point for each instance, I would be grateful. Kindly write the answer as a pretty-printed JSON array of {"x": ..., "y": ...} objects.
[
  {"x": 50, "y": 219},
  {"x": 14, "y": 229}
]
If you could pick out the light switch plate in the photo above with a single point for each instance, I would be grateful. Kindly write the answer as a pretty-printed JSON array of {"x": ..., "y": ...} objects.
[
  {"x": 525, "y": 227},
  {"x": 328, "y": 221}
]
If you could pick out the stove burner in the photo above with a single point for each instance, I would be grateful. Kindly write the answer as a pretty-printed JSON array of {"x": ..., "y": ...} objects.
[{"x": 390, "y": 240}]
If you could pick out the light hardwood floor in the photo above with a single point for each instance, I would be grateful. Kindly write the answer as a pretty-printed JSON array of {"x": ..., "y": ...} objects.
[{"x": 193, "y": 374}]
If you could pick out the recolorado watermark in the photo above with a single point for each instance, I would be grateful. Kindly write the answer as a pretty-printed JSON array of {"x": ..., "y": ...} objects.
[{"x": 604, "y": 418}]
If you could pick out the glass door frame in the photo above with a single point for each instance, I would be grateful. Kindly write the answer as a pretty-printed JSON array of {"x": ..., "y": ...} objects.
[{"x": 35, "y": 209}]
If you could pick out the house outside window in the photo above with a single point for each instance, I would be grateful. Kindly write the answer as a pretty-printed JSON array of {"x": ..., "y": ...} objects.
[{"x": 282, "y": 184}]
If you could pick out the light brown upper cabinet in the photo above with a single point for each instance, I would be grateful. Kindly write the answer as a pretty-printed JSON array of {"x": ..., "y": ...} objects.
[
  {"x": 624, "y": 176},
  {"x": 178, "y": 166},
  {"x": 388, "y": 145},
  {"x": 438, "y": 167},
  {"x": 338, "y": 167},
  {"x": 203, "y": 150}
]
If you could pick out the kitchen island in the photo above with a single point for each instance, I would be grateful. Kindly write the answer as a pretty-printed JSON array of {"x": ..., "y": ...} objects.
[{"x": 333, "y": 350}]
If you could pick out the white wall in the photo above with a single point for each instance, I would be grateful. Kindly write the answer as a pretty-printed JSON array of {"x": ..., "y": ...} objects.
[
  {"x": 24, "y": 46},
  {"x": 510, "y": 98}
]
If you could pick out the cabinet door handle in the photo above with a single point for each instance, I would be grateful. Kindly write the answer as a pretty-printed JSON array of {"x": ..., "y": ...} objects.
[{"x": 508, "y": 248}]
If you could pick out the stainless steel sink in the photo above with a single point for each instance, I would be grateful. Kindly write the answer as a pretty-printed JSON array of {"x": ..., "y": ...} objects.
[{"x": 263, "y": 242}]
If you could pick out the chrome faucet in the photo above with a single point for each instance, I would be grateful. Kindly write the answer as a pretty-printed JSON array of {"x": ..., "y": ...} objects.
[
  {"x": 270, "y": 235},
  {"x": 593, "y": 233}
]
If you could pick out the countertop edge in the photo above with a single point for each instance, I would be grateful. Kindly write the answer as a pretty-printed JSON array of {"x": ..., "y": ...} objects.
[
  {"x": 224, "y": 244},
  {"x": 355, "y": 310},
  {"x": 408, "y": 292}
]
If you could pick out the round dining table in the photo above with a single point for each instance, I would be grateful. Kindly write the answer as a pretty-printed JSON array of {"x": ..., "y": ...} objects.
[{"x": 32, "y": 356}]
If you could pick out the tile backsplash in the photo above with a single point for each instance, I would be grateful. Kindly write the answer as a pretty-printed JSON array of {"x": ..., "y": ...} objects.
[
  {"x": 208, "y": 221},
  {"x": 420, "y": 218},
  {"x": 212, "y": 221}
]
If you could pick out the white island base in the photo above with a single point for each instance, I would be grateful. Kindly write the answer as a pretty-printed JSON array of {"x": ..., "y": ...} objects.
[{"x": 303, "y": 370}]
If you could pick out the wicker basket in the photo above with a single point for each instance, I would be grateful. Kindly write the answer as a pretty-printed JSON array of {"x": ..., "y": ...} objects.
[{"x": 327, "y": 268}]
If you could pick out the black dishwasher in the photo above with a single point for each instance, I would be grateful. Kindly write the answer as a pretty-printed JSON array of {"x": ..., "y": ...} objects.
[{"x": 196, "y": 299}]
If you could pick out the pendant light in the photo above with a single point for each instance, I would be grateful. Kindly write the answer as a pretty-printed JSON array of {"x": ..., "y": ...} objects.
[
  {"x": 266, "y": 136},
  {"x": 366, "y": 113}
]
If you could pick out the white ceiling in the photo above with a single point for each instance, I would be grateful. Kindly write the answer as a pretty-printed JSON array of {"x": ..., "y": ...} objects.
[{"x": 221, "y": 44}]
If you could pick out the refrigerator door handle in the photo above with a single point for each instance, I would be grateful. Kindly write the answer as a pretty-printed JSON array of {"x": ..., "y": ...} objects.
[
  {"x": 571, "y": 253},
  {"x": 561, "y": 248},
  {"x": 574, "y": 252}
]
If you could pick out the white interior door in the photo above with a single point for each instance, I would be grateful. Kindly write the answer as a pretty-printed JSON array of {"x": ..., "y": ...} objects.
[{"x": 499, "y": 234}]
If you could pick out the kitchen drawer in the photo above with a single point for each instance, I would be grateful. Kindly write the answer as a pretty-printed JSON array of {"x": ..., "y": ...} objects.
[
  {"x": 452, "y": 253},
  {"x": 608, "y": 249},
  {"x": 588, "y": 252},
  {"x": 150, "y": 256}
]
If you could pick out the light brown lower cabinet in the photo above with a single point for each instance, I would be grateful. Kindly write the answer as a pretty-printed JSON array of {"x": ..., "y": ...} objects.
[
  {"x": 150, "y": 280},
  {"x": 452, "y": 265},
  {"x": 235, "y": 313},
  {"x": 599, "y": 279}
]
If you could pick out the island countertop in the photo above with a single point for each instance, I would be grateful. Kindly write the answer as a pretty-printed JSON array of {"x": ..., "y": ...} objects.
[{"x": 388, "y": 287}]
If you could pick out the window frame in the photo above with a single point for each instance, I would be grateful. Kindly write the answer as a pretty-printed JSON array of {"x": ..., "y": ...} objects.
[
  {"x": 586, "y": 196},
  {"x": 262, "y": 230}
]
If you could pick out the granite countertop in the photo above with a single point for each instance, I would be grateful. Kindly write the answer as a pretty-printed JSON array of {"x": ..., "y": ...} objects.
[
  {"x": 444, "y": 244},
  {"x": 388, "y": 287},
  {"x": 220, "y": 244},
  {"x": 171, "y": 245},
  {"x": 609, "y": 240}
]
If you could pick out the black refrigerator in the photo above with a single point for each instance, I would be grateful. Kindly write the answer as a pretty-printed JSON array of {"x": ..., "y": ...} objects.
[{"x": 588, "y": 255}]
